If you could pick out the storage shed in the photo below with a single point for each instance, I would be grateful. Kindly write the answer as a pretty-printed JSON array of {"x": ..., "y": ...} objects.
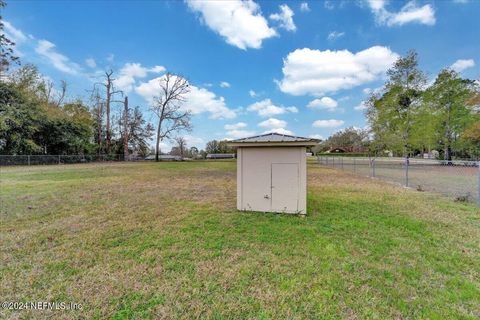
[{"x": 272, "y": 173}]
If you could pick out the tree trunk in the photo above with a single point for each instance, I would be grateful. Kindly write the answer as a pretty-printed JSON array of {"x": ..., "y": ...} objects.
[
  {"x": 109, "y": 84},
  {"x": 125, "y": 131},
  {"x": 448, "y": 152},
  {"x": 100, "y": 128},
  {"x": 157, "y": 146}
]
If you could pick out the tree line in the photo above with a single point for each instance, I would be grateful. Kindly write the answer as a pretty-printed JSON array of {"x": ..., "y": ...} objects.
[
  {"x": 409, "y": 116},
  {"x": 36, "y": 117}
]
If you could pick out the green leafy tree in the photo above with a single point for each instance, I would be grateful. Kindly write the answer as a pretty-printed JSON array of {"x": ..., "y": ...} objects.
[
  {"x": 392, "y": 114},
  {"x": 140, "y": 132},
  {"x": 450, "y": 113},
  {"x": 471, "y": 139},
  {"x": 7, "y": 55},
  {"x": 20, "y": 120},
  {"x": 34, "y": 120},
  {"x": 216, "y": 146}
]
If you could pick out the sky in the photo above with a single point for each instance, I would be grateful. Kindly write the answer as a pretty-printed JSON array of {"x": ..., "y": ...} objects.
[{"x": 293, "y": 67}]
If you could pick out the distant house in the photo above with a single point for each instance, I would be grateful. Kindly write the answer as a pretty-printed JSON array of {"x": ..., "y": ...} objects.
[
  {"x": 221, "y": 156},
  {"x": 348, "y": 150},
  {"x": 164, "y": 157}
]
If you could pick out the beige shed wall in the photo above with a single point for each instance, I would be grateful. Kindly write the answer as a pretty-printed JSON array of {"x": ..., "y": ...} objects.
[{"x": 254, "y": 179}]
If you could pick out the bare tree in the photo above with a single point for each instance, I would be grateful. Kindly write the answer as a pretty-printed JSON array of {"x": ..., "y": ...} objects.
[
  {"x": 98, "y": 112},
  {"x": 46, "y": 93},
  {"x": 62, "y": 93},
  {"x": 125, "y": 129},
  {"x": 108, "y": 99},
  {"x": 182, "y": 145},
  {"x": 168, "y": 107},
  {"x": 110, "y": 92}
]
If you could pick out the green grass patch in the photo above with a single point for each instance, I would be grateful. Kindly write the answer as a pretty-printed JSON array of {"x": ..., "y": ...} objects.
[{"x": 163, "y": 240}]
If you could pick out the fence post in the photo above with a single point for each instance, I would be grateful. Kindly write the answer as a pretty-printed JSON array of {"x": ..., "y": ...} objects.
[
  {"x": 59, "y": 159},
  {"x": 342, "y": 162},
  {"x": 28, "y": 159},
  {"x": 373, "y": 168},
  {"x": 354, "y": 165},
  {"x": 406, "y": 171},
  {"x": 333, "y": 161}
]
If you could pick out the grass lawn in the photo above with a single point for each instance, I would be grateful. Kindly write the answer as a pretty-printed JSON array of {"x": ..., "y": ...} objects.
[
  {"x": 163, "y": 240},
  {"x": 451, "y": 181}
]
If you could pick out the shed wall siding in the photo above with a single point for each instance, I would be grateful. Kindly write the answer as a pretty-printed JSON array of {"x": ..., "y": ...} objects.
[{"x": 254, "y": 177}]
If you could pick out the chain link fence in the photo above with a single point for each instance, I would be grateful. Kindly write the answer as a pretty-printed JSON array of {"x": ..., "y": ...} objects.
[
  {"x": 30, "y": 160},
  {"x": 457, "y": 179}
]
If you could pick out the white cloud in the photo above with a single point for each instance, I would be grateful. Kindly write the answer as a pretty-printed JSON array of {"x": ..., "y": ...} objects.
[
  {"x": 409, "y": 13},
  {"x": 201, "y": 100},
  {"x": 315, "y": 72},
  {"x": 90, "y": 62},
  {"x": 362, "y": 106},
  {"x": 237, "y": 134},
  {"x": 284, "y": 18},
  {"x": 332, "y": 123},
  {"x": 110, "y": 57},
  {"x": 316, "y": 136},
  {"x": 240, "y": 23},
  {"x": 291, "y": 109},
  {"x": 252, "y": 93},
  {"x": 462, "y": 64},
  {"x": 60, "y": 62},
  {"x": 193, "y": 140},
  {"x": 376, "y": 5},
  {"x": 198, "y": 100},
  {"x": 164, "y": 146},
  {"x": 235, "y": 126},
  {"x": 13, "y": 33},
  {"x": 273, "y": 123},
  {"x": 335, "y": 35},
  {"x": 224, "y": 84},
  {"x": 304, "y": 7},
  {"x": 367, "y": 90},
  {"x": 323, "y": 103},
  {"x": 279, "y": 131},
  {"x": 266, "y": 108},
  {"x": 276, "y": 126},
  {"x": 329, "y": 5},
  {"x": 157, "y": 69},
  {"x": 130, "y": 72}
]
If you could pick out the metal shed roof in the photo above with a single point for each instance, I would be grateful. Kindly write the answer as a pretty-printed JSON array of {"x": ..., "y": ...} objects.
[{"x": 274, "y": 139}]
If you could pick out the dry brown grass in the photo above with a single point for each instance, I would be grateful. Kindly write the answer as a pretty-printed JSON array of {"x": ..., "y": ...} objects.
[{"x": 148, "y": 240}]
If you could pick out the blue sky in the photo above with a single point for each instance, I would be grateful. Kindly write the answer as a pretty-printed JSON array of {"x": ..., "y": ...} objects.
[{"x": 299, "y": 68}]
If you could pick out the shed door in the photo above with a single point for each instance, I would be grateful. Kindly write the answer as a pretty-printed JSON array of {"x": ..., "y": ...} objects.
[{"x": 285, "y": 187}]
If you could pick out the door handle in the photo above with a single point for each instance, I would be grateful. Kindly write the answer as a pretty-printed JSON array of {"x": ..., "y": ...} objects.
[{"x": 266, "y": 196}]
